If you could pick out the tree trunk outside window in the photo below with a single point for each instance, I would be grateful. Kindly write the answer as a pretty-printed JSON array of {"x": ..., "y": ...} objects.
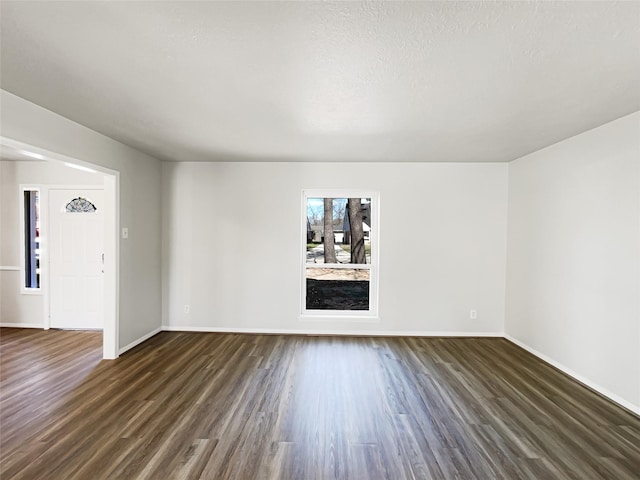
[
  {"x": 329, "y": 247},
  {"x": 358, "y": 254}
]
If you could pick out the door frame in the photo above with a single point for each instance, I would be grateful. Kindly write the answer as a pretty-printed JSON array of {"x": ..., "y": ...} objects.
[
  {"x": 110, "y": 341},
  {"x": 47, "y": 224}
]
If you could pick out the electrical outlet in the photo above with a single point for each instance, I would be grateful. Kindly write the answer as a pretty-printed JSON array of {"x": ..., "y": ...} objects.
[
  {"x": 473, "y": 314},
  {"x": 187, "y": 309}
]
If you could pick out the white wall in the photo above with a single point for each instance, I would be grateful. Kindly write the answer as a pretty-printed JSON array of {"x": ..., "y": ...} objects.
[
  {"x": 2, "y": 230},
  {"x": 16, "y": 308},
  {"x": 140, "y": 271},
  {"x": 231, "y": 245},
  {"x": 573, "y": 281}
]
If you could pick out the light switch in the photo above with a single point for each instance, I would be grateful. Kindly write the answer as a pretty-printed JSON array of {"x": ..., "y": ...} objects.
[{"x": 125, "y": 232}]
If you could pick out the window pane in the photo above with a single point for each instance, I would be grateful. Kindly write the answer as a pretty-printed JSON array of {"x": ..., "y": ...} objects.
[
  {"x": 31, "y": 239},
  {"x": 338, "y": 272},
  {"x": 80, "y": 205},
  {"x": 337, "y": 289},
  {"x": 339, "y": 230}
]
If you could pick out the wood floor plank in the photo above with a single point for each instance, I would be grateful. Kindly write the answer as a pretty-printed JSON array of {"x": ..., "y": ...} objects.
[{"x": 230, "y": 406}]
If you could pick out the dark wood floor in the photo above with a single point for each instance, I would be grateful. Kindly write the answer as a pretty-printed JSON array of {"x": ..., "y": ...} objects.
[{"x": 214, "y": 406}]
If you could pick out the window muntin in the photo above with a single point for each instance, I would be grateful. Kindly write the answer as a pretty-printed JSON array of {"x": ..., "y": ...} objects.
[
  {"x": 344, "y": 283},
  {"x": 80, "y": 205}
]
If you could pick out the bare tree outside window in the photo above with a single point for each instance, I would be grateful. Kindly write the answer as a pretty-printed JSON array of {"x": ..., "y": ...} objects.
[
  {"x": 329, "y": 240},
  {"x": 354, "y": 206}
]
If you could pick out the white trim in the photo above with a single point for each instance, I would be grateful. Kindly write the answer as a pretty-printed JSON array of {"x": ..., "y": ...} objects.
[
  {"x": 576, "y": 376},
  {"x": 346, "y": 266},
  {"x": 21, "y": 325},
  {"x": 370, "y": 315},
  {"x": 33, "y": 291},
  {"x": 323, "y": 316},
  {"x": 137, "y": 342},
  {"x": 111, "y": 320},
  {"x": 45, "y": 280},
  {"x": 9, "y": 269},
  {"x": 351, "y": 333}
]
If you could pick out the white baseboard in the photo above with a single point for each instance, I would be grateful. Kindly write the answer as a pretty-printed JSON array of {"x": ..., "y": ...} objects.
[
  {"x": 352, "y": 333},
  {"x": 576, "y": 376},
  {"x": 139, "y": 341},
  {"x": 22, "y": 325}
]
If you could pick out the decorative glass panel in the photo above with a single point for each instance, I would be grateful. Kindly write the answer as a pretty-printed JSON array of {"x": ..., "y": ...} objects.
[{"x": 80, "y": 205}]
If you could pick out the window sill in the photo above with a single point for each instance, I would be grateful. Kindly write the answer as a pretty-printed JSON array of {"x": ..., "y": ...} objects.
[
  {"x": 339, "y": 317},
  {"x": 31, "y": 291}
]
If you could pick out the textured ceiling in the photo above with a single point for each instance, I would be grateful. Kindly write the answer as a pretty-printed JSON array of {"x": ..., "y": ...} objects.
[{"x": 307, "y": 81}]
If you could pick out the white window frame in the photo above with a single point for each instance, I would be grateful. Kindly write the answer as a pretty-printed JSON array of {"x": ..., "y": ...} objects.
[
  {"x": 370, "y": 315},
  {"x": 24, "y": 290}
]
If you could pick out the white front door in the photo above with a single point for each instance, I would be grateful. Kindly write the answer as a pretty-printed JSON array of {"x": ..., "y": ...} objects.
[{"x": 76, "y": 246}]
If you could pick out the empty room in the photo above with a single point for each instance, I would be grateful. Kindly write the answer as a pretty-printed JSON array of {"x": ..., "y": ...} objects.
[{"x": 319, "y": 240}]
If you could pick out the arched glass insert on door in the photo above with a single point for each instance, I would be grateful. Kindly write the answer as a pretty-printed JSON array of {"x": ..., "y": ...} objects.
[{"x": 80, "y": 205}]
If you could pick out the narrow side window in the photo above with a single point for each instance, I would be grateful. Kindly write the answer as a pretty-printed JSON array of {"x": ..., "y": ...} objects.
[{"x": 31, "y": 239}]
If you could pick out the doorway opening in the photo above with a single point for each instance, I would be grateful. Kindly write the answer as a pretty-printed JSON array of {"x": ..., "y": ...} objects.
[{"x": 104, "y": 287}]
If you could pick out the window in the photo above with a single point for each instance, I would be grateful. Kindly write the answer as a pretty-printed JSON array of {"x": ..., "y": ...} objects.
[
  {"x": 340, "y": 253},
  {"x": 80, "y": 205},
  {"x": 31, "y": 239}
]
